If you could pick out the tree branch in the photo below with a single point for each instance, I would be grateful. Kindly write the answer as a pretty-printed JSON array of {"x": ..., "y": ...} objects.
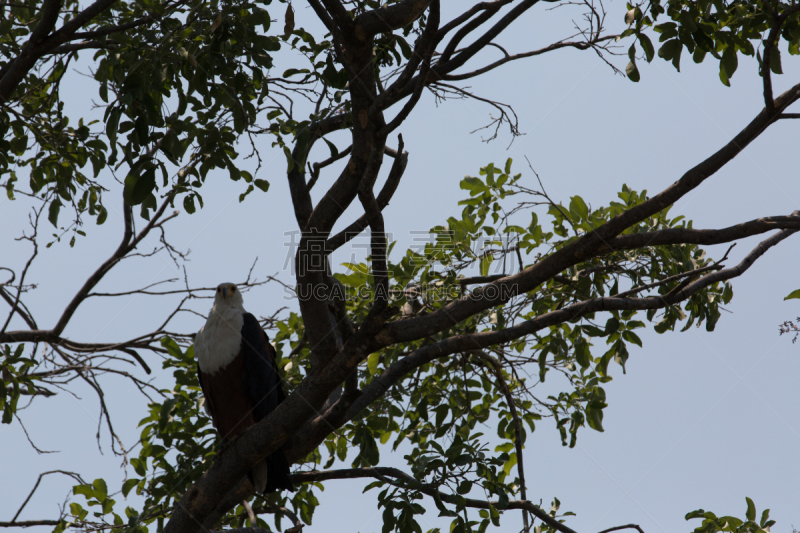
[
  {"x": 384, "y": 197},
  {"x": 83, "y": 45},
  {"x": 30, "y": 523},
  {"x": 128, "y": 243},
  {"x": 408, "y": 482},
  {"x": 391, "y": 17},
  {"x": 628, "y": 526},
  {"x": 497, "y": 369},
  {"x": 700, "y": 236},
  {"x": 580, "y": 45},
  {"x": 14, "y": 71},
  {"x": 426, "y": 45}
]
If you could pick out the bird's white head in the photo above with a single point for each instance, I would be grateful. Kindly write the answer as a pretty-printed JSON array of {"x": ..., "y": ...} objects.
[{"x": 228, "y": 296}]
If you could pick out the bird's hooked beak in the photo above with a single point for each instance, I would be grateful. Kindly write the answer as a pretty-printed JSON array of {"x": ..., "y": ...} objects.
[{"x": 224, "y": 292}]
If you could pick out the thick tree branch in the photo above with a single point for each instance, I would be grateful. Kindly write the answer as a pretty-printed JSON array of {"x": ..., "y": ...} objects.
[
  {"x": 14, "y": 71},
  {"x": 338, "y": 13},
  {"x": 383, "y": 199},
  {"x": 391, "y": 16},
  {"x": 707, "y": 237},
  {"x": 321, "y": 13},
  {"x": 42, "y": 41}
]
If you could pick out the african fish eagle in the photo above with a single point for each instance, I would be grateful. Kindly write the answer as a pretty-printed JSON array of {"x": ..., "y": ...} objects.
[{"x": 239, "y": 377}]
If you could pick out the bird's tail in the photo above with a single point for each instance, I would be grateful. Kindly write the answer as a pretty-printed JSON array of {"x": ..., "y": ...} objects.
[{"x": 278, "y": 473}]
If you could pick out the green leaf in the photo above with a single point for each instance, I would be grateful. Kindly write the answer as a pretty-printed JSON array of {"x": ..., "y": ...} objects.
[
  {"x": 775, "y": 61},
  {"x": 793, "y": 295},
  {"x": 699, "y": 54},
  {"x": 289, "y": 159},
  {"x": 472, "y": 184},
  {"x": 139, "y": 187},
  {"x": 486, "y": 262},
  {"x": 594, "y": 417},
  {"x": 631, "y": 71},
  {"x": 699, "y": 513},
  {"x": 188, "y": 204},
  {"x": 671, "y": 50},
  {"x": 372, "y": 363},
  {"x": 632, "y": 337},
  {"x": 730, "y": 61},
  {"x": 262, "y": 184},
  {"x": 542, "y": 365},
  {"x": 723, "y": 76},
  {"x": 751, "y": 509},
  {"x": 128, "y": 485},
  {"x": 52, "y": 212},
  {"x": 331, "y": 147},
  {"x": 764, "y": 518},
  {"x": 578, "y": 207},
  {"x": 647, "y": 46},
  {"x": 100, "y": 489},
  {"x": 512, "y": 461},
  {"x": 84, "y": 490},
  {"x": 245, "y": 193}
]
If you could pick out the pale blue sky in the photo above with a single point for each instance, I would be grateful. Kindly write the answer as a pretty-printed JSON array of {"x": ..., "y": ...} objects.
[{"x": 700, "y": 420}]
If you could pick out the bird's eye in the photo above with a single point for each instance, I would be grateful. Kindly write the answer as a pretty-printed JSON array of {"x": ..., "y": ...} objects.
[{"x": 233, "y": 289}]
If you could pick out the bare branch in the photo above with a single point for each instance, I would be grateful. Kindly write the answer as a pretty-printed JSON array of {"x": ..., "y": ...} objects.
[
  {"x": 30, "y": 523},
  {"x": 628, "y": 526},
  {"x": 14, "y": 522},
  {"x": 82, "y": 45},
  {"x": 580, "y": 45},
  {"x": 403, "y": 480},
  {"x": 129, "y": 242},
  {"x": 318, "y": 166},
  {"x": 497, "y": 369}
]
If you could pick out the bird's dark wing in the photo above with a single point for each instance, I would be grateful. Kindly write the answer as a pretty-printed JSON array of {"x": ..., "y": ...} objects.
[
  {"x": 261, "y": 374},
  {"x": 264, "y": 386}
]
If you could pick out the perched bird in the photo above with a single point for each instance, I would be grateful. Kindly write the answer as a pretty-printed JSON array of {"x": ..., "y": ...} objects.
[{"x": 239, "y": 377}]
